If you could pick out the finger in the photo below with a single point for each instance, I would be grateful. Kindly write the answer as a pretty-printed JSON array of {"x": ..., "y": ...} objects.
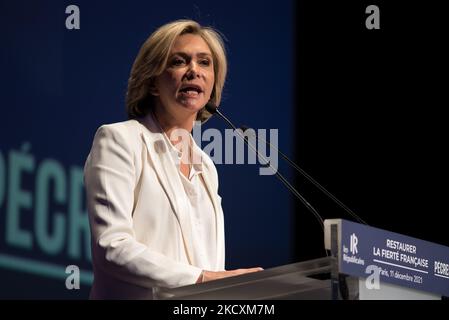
[{"x": 255, "y": 269}]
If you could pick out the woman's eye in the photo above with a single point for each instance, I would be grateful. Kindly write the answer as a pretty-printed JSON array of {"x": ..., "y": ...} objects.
[
  {"x": 205, "y": 62},
  {"x": 177, "y": 62}
]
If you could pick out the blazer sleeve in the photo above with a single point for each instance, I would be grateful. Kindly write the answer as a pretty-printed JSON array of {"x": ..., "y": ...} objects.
[{"x": 110, "y": 179}]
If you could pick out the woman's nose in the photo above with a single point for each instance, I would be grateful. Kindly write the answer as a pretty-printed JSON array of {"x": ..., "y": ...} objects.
[{"x": 193, "y": 71}]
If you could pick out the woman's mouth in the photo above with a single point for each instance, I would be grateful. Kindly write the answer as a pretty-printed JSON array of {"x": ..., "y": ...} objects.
[{"x": 190, "y": 91}]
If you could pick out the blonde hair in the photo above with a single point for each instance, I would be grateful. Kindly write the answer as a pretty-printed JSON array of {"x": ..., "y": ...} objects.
[{"x": 151, "y": 62}]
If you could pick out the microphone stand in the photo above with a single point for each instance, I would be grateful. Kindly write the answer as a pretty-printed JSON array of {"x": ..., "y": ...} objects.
[
  {"x": 308, "y": 177},
  {"x": 213, "y": 109}
]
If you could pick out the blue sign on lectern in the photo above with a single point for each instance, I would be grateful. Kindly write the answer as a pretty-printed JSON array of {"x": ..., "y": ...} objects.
[{"x": 397, "y": 259}]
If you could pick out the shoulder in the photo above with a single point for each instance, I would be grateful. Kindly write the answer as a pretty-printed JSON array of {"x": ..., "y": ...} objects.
[
  {"x": 127, "y": 132},
  {"x": 124, "y": 128},
  {"x": 117, "y": 137}
]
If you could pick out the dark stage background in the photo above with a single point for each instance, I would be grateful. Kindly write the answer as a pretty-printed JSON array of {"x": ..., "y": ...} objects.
[
  {"x": 360, "y": 110},
  {"x": 370, "y": 122},
  {"x": 58, "y": 86}
]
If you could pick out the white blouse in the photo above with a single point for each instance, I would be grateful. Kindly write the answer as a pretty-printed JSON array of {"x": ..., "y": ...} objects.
[{"x": 200, "y": 209}]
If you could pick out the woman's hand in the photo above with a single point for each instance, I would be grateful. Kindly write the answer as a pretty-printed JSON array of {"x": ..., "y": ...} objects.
[{"x": 215, "y": 275}]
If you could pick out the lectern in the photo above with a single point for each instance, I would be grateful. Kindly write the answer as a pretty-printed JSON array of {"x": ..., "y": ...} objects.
[{"x": 364, "y": 263}]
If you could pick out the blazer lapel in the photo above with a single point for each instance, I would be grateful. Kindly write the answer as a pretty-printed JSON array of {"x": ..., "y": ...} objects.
[
  {"x": 169, "y": 179},
  {"x": 218, "y": 216}
]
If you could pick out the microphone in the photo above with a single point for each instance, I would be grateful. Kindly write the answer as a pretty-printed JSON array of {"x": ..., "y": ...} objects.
[
  {"x": 308, "y": 177},
  {"x": 214, "y": 110}
]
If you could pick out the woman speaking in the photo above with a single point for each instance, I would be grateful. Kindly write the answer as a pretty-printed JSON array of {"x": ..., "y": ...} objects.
[{"x": 152, "y": 194}]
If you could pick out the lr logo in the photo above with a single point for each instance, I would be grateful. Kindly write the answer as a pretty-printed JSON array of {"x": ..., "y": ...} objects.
[{"x": 353, "y": 244}]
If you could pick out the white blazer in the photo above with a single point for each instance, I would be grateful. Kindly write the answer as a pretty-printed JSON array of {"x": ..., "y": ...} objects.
[{"x": 140, "y": 232}]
